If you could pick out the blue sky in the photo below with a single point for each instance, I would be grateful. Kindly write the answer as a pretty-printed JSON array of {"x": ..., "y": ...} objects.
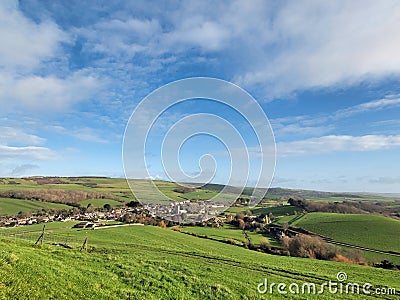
[{"x": 325, "y": 73}]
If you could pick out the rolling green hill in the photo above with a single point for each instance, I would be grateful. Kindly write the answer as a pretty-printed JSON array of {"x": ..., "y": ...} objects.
[
  {"x": 370, "y": 231},
  {"x": 116, "y": 188},
  {"x": 13, "y": 206},
  {"x": 144, "y": 262},
  {"x": 227, "y": 233},
  {"x": 147, "y": 262},
  {"x": 118, "y": 191}
]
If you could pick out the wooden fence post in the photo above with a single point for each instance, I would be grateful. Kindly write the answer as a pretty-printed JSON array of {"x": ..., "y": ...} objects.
[{"x": 41, "y": 237}]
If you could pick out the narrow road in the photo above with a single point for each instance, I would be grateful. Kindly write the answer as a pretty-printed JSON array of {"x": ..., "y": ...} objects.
[{"x": 118, "y": 225}]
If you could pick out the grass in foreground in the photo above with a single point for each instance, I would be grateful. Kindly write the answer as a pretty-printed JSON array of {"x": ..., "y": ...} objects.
[{"x": 144, "y": 262}]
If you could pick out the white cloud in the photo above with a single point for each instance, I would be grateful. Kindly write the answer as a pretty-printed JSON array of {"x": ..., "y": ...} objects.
[
  {"x": 313, "y": 125},
  {"x": 9, "y": 135},
  {"x": 317, "y": 44},
  {"x": 24, "y": 43},
  {"x": 178, "y": 29},
  {"x": 207, "y": 35},
  {"x": 297, "y": 129},
  {"x": 387, "y": 123},
  {"x": 47, "y": 93},
  {"x": 122, "y": 38},
  {"x": 281, "y": 48},
  {"x": 226, "y": 26},
  {"x": 335, "y": 143},
  {"x": 146, "y": 28},
  {"x": 30, "y": 152},
  {"x": 368, "y": 106},
  {"x": 84, "y": 134},
  {"x": 89, "y": 135},
  {"x": 30, "y": 48}
]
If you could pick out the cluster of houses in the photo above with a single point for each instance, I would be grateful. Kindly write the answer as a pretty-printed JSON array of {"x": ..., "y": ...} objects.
[
  {"x": 95, "y": 216},
  {"x": 205, "y": 213},
  {"x": 186, "y": 211}
]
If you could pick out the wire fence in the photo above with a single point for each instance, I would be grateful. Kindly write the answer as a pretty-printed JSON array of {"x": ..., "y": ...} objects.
[{"x": 44, "y": 237}]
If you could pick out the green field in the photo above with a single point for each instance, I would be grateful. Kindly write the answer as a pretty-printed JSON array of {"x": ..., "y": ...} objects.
[
  {"x": 99, "y": 203},
  {"x": 280, "y": 210},
  {"x": 276, "y": 211},
  {"x": 291, "y": 219},
  {"x": 118, "y": 191},
  {"x": 13, "y": 206},
  {"x": 144, "y": 262},
  {"x": 117, "y": 187},
  {"x": 227, "y": 233},
  {"x": 370, "y": 231}
]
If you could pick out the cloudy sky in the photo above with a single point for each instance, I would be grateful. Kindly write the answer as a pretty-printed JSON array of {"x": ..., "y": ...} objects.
[{"x": 326, "y": 73}]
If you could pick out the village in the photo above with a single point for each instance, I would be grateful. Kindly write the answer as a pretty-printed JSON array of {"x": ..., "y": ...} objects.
[
  {"x": 186, "y": 211},
  {"x": 199, "y": 213},
  {"x": 96, "y": 217}
]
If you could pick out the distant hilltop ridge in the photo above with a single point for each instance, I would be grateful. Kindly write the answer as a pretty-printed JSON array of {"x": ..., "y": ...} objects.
[{"x": 274, "y": 191}]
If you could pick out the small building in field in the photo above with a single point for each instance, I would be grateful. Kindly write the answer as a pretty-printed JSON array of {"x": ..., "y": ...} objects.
[{"x": 84, "y": 225}]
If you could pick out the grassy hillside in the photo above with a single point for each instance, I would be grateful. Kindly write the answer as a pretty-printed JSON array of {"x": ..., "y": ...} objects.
[
  {"x": 275, "y": 210},
  {"x": 119, "y": 187},
  {"x": 143, "y": 262},
  {"x": 283, "y": 193},
  {"x": 371, "y": 231},
  {"x": 115, "y": 187},
  {"x": 100, "y": 202},
  {"x": 118, "y": 191},
  {"x": 226, "y": 233},
  {"x": 13, "y": 206}
]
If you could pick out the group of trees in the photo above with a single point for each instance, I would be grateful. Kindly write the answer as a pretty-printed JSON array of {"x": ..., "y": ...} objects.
[
  {"x": 146, "y": 219},
  {"x": 385, "y": 264},
  {"x": 184, "y": 189},
  {"x": 345, "y": 207},
  {"x": 48, "y": 180},
  {"x": 303, "y": 245},
  {"x": 55, "y": 195},
  {"x": 245, "y": 222},
  {"x": 300, "y": 245}
]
